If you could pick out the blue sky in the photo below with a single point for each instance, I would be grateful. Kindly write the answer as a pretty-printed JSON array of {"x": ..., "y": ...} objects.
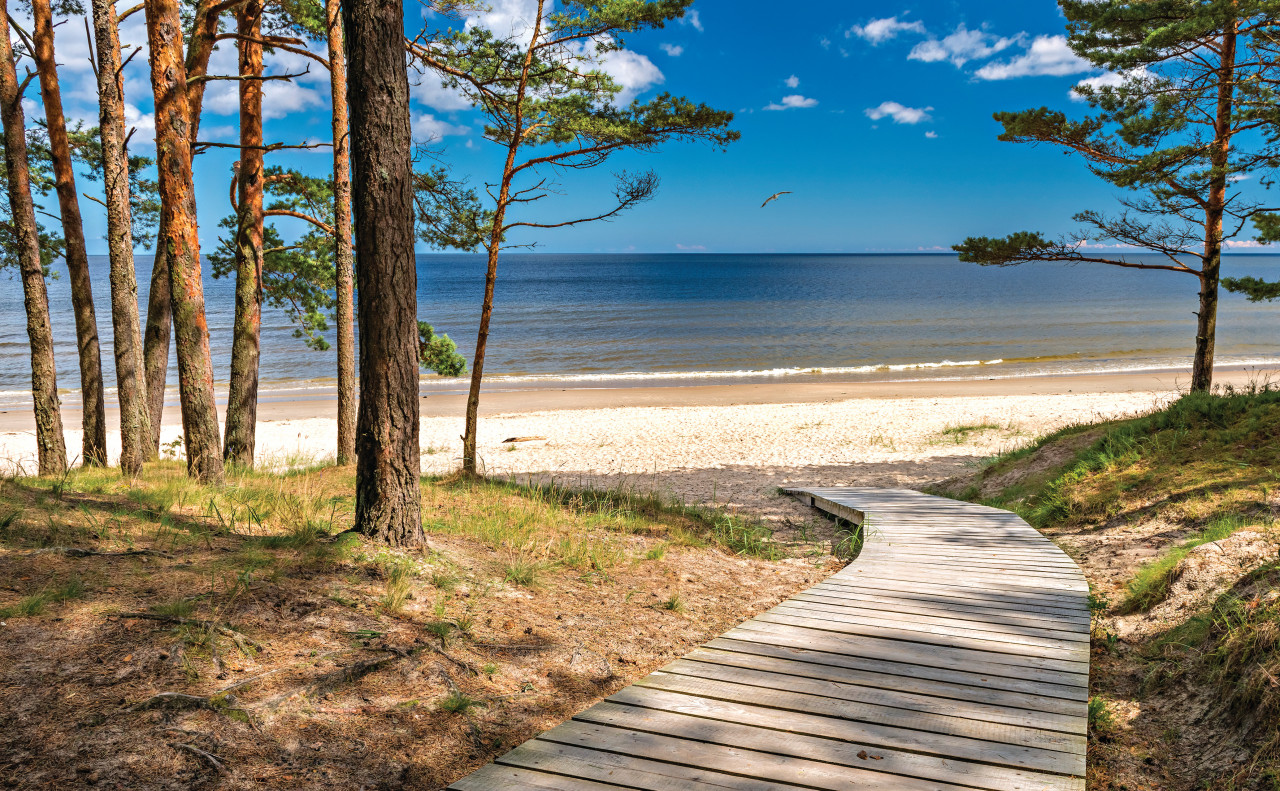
[{"x": 876, "y": 117}]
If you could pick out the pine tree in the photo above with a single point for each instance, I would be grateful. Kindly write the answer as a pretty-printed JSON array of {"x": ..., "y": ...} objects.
[
  {"x": 550, "y": 105},
  {"x": 1176, "y": 129},
  {"x": 22, "y": 235},
  {"x": 388, "y": 461}
]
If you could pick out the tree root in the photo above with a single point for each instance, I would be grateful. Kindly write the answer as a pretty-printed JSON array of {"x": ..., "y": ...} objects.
[
  {"x": 208, "y": 758},
  {"x": 178, "y": 701},
  {"x": 242, "y": 642},
  {"x": 78, "y": 552}
]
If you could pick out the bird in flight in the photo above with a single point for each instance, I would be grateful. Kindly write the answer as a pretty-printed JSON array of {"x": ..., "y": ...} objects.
[{"x": 774, "y": 197}]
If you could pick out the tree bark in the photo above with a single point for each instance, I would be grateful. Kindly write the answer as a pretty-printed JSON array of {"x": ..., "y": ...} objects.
[
  {"x": 242, "y": 394},
  {"x": 388, "y": 460},
  {"x": 181, "y": 243},
  {"x": 77, "y": 259},
  {"x": 156, "y": 340},
  {"x": 131, "y": 385},
  {"x": 345, "y": 287},
  {"x": 471, "y": 430},
  {"x": 1220, "y": 152},
  {"x": 159, "y": 303},
  {"x": 51, "y": 448}
]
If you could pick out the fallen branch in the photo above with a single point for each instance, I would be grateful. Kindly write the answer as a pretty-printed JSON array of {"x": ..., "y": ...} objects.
[
  {"x": 174, "y": 701},
  {"x": 242, "y": 642},
  {"x": 78, "y": 552},
  {"x": 208, "y": 758}
]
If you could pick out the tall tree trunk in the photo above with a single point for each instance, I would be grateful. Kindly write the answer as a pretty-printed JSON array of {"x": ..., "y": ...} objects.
[
  {"x": 242, "y": 394},
  {"x": 131, "y": 386},
  {"x": 388, "y": 460},
  {"x": 51, "y": 448},
  {"x": 159, "y": 304},
  {"x": 472, "y": 428},
  {"x": 345, "y": 287},
  {"x": 1220, "y": 152},
  {"x": 181, "y": 243},
  {"x": 91, "y": 389},
  {"x": 155, "y": 344}
]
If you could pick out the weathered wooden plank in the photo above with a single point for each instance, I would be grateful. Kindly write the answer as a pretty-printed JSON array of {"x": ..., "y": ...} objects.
[
  {"x": 815, "y": 738},
  {"x": 792, "y": 765},
  {"x": 996, "y": 651},
  {"x": 1016, "y": 633},
  {"x": 968, "y": 596},
  {"x": 893, "y": 698},
  {"x": 902, "y": 605},
  {"x": 839, "y": 650},
  {"x": 495, "y": 777},
  {"x": 1063, "y": 589},
  {"x": 627, "y": 771},
  {"x": 906, "y": 581},
  {"x": 878, "y": 675},
  {"x": 924, "y": 654}
]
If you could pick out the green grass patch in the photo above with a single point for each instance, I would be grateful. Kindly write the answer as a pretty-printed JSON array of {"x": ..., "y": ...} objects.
[
  {"x": 37, "y": 603},
  {"x": 1152, "y": 582}
]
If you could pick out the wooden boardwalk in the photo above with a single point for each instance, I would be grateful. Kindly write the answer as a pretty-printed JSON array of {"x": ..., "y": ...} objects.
[{"x": 952, "y": 654}]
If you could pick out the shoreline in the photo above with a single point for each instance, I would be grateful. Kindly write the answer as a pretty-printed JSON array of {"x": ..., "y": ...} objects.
[
  {"x": 307, "y": 405},
  {"x": 725, "y": 445}
]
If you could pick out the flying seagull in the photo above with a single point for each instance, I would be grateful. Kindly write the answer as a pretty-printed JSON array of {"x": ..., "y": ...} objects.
[{"x": 774, "y": 197}]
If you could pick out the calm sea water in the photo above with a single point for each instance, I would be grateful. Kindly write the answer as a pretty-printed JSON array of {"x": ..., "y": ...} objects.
[{"x": 597, "y": 320}]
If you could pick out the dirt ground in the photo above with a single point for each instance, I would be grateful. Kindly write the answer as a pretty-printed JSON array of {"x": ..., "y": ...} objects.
[{"x": 300, "y": 674}]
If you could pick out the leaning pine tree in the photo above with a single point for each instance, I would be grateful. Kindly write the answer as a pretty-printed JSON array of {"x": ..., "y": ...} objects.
[
  {"x": 549, "y": 107},
  {"x": 1177, "y": 126}
]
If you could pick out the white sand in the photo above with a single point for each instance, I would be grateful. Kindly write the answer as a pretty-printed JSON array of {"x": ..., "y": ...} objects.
[{"x": 734, "y": 454}]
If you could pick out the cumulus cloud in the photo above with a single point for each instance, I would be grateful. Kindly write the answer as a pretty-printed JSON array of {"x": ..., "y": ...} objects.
[
  {"x": 931, "y": 134},
  {"x": 962, "y": 46},
  {"x": 633, "y": 71},
  {"x": 674, "y": 50},
  {"x": 878, "y": 31},
  {"x": 1047, "y": 55},
  {"x": 1111, "y": 79},
  {"x": 792, "y": 102},
  {"x": 431, "y": 91},
  {"x": 900, "y": 113},
  {"x": 505, "y": 18},
  {"x": 692, "y": 20},
  {"x": 513, "y": 19},
  {"x": 793, "y": 81},
  {"x": 428, "y": 128}
]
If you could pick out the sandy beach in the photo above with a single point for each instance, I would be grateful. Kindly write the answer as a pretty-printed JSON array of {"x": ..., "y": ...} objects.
[{"x": 729, "y": 444}]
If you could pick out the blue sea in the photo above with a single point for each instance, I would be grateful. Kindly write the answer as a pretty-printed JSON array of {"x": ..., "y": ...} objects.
[{"x": 617, "y": 320}]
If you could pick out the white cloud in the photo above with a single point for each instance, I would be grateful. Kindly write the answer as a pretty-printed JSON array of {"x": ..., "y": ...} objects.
[
  {"x": 793, "y": 81},
  {"x": 1111, "y": 79},
  {"x": 283, "y": 99},
  {"x": 878, "y": 31},
  {"x": 692, "y": 20},
  {"x": 506, "y": 18},
  {"x": 901, "y": 114},
  {"x": 1047, "y": 55},
  {"x": 932, "y": 135},
  {"x": 427, "y": 128},
  {"x": 145, "y": 123},
  {"x": 792, "y": 102},
  {"x": 962, "y": 46},
  {"x": 825, "y": 42},
  {"x": 633, "y": 71},
  {"x": 674, "y": 50},
  {"x": 432, "y": 92}
]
